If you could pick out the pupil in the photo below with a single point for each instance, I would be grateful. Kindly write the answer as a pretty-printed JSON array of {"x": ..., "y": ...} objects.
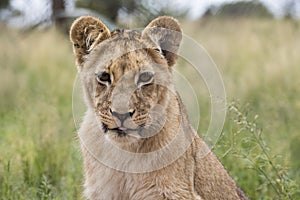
[{"x": 104, "y": 77}]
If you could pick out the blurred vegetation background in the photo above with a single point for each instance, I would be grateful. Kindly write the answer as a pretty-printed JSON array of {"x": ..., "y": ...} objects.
[{"x": 256, "y": 50}]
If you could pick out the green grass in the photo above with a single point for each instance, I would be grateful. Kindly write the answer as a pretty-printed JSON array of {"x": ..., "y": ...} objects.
[
  {"x": 259, "y": 61},
  {"x": 39, "y": 153}
]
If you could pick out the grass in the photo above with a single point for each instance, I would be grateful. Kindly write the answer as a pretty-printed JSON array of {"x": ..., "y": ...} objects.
[
  {"x": 258, "y": 60},
  {"x": 40, "y": 157}
]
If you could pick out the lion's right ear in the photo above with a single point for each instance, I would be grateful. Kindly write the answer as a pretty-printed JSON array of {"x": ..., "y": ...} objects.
[
  {"x": 166, "y": 33},
  {"x": 86, "y": 32}
]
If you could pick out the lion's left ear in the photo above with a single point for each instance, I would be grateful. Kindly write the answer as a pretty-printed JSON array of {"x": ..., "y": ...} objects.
[
  {"x": 166, "y": 33},
  {"x": 85, "y": 33}
]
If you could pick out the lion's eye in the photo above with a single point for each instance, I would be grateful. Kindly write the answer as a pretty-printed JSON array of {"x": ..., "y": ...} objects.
[
  {"x": 103, "y": 77},
  {"x": 145, "y": 77},
  {"x": 158, "y": 50}
]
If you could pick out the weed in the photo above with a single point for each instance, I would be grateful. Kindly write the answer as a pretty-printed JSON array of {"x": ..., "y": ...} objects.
[{"x": 246, "y": 143}]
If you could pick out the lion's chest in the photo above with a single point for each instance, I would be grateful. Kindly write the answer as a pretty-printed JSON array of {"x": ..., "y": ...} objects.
[{"x": 102, "y": 182}]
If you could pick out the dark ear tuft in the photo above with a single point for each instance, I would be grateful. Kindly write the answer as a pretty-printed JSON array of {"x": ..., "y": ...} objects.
[
  {"x": 85, "y": 33},
  {"x": 166, "y": 33}
]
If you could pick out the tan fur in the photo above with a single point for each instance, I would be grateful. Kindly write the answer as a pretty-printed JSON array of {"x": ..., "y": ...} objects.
[{"x": 125, "y": 54}]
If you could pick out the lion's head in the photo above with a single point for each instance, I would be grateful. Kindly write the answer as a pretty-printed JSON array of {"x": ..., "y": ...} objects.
[{"x": 127, "y": 74}]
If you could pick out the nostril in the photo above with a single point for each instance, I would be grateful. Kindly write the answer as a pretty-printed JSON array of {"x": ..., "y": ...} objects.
[{"x": 131, "y": 112}]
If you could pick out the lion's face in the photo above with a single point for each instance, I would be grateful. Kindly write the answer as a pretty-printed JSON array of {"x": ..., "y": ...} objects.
[
  {"x": 131, "y": 90},
  {"x": 127, "y": 79}
]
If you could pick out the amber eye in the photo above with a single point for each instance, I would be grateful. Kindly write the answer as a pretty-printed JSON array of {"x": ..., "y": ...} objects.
[
  {"x": 145, "y": 77},
  {"x": 103, "y": 77}
]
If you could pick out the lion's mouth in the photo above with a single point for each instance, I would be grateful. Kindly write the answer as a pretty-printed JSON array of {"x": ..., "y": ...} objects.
[{"x": 121, "y": 131}]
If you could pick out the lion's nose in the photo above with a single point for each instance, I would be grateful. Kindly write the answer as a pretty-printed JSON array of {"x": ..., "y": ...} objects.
[{"x": 122, "y": 116}]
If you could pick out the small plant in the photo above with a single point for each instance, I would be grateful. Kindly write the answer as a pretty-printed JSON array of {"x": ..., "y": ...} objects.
[
  {"x": 5, "y": 186},
  {"x": 247, "y": 144},
  {"x": 45, "y": 190}
]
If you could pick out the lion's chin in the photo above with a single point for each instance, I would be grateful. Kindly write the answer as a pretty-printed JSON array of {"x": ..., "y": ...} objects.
[{"x": 127, "y": 141}]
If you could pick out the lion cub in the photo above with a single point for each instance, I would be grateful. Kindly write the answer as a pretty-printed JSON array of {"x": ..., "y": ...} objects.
[{"x": 136, "y": 140}]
